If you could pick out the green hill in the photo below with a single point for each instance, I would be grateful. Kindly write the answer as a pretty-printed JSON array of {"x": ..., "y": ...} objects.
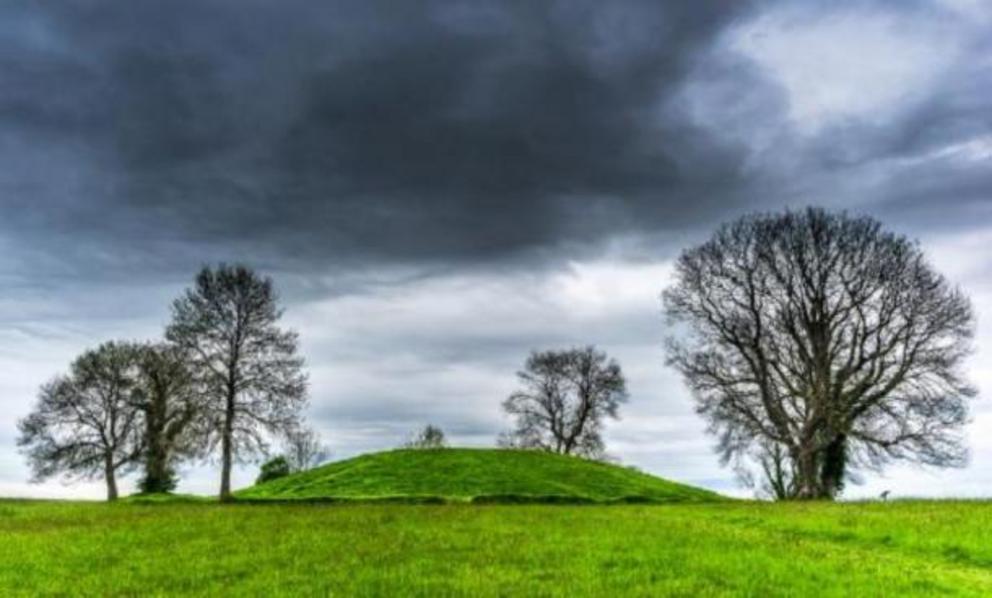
[{"x": 474, "y": 475}]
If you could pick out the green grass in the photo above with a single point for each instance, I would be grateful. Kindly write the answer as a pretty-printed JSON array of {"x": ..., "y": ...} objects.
[
  {"x": 161, "y": 498},
  {"x": 474, "y": 475},
  {"x": 279, "y": 539},
  {"x": 733, "y": 548}
]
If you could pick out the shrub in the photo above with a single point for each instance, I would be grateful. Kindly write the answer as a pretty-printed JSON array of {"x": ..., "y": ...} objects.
[
  {"x": 431, "y": 437},
  {"x": 162, "y": 483},
  {"x": 274, "y": 468}
]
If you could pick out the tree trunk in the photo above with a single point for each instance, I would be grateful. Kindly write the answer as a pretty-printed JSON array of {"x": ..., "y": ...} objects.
[
  {"x": 155, "y": 474},
  {"x": 111, "y": 478},
  {"x": 158, "y": 474},
  {"x": 834, "y": 466},
  {"x": 808, "y": 476},
  {"x": 227, "y": 447},
  {"x": 158, "y": 478}
]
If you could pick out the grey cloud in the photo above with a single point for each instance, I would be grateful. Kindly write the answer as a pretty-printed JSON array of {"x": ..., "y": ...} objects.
[
  {"x": 332, "y": 135},
  {"x": 345, "y": 131},
  {"x": 365, "y": 152}
]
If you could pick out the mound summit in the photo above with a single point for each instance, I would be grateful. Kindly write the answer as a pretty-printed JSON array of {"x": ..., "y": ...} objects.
[{"x": 458, "y": 475}]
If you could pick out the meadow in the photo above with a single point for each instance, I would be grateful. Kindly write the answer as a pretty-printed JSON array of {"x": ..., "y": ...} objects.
[{"x": 718, "y": 548}]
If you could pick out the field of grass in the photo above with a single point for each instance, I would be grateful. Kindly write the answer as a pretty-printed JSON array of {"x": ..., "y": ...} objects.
[
  {"x": 728, "y": 548},
  {"x": 475, "y": 475},
  {"x": 334, "y": 530}
]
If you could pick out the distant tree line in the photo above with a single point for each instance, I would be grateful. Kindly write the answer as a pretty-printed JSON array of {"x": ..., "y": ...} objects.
[
  {"x": 225, "y": 378},
  {"x": 815, "y": 344}
]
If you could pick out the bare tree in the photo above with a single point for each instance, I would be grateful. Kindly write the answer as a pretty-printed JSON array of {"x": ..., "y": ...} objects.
[
  {"x": 566, "y": 396},
  {"x": 172, "y": 409},
  {"x": 84, "y": 425},
  {"x": 251, "y": 374},
  {"x": 820, "y": 343},
  {"x": 303, "y": 449},
  {"x": 776, "y": 475},
  {"x": 431, "y": 437}
]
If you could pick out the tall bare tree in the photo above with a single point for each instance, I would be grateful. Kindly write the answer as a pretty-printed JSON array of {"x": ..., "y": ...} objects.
[
  {"x": 84, "y": 424},
  {"x": 252, "y": 376},
  {"x": 818, "y": 343},
  {"x": 566, "y": 397},
  {"x": 172, "y": 411}
]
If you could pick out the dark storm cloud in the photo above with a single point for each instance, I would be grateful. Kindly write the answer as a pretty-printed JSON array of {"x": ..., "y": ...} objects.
[
  {"x": 345, "y": 130},
  {"x": 155, "y": 136}
]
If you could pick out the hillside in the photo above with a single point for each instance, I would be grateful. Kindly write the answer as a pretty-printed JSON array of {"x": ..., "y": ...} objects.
[{"x": 474, "y": 475}]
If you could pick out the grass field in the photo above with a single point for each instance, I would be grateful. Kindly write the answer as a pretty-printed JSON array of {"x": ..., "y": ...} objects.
[
  {"x": 730, "y": 548},
  {"x": 321, "y": 532},
  {"x": 475, "y": 475}
]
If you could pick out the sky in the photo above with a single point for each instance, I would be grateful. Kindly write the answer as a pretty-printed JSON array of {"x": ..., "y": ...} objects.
[{"x": 438, "y": 188}]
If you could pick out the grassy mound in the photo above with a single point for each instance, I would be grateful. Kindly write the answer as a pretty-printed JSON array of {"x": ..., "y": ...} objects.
[{"x": 474, "y": 475}]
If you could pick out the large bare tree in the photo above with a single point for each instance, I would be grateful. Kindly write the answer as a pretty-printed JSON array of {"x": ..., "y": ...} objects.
[
  {"x": 566, "y": 396},
  {"x": 818, "y": 342},
  {"x": 84, "y": 424},
  {"x": 253, "y": 379}
]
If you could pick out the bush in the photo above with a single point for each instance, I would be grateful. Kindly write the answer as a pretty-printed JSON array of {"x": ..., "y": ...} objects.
[
  {"x": 273, "y": 469},
  {"x": 162, "y": 483}
]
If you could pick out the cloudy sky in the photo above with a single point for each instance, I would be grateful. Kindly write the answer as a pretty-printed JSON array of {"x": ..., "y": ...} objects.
[{"x": 439, "y": 187}]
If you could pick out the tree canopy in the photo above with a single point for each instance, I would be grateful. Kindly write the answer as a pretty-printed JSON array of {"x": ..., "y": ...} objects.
[
  {"x": 84, "y": 424},
  {"x": 565, "y": 398},
  {"x": 816, "y": 343},
  {"x": 171, "y": 406},
  {"x": 251, "y": 374}
]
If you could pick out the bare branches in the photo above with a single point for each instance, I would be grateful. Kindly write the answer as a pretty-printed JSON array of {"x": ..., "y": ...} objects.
[
  {"x": 174, "y": 412},
  {"x": 303, "y": 449},
  {"x": 813, "y": 330},
  {"x": 84, "y": 425},
  {"x": 229, "y": 377},
  {"x": 247, "y": 366},
  {"x": 566, "y": 397}
]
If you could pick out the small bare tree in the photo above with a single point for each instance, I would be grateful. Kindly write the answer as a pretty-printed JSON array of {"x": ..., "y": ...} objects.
[
  {"x": 776, "y": 477},
  {"x": 566, "y": 397},
  {"x": 817, "y": 343},
  {"x": 303, "y": 449},
  {"x": 84, "y": 425},
  {"x": 431, "y": 437},
  {"x": 251, "y": 374}
]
